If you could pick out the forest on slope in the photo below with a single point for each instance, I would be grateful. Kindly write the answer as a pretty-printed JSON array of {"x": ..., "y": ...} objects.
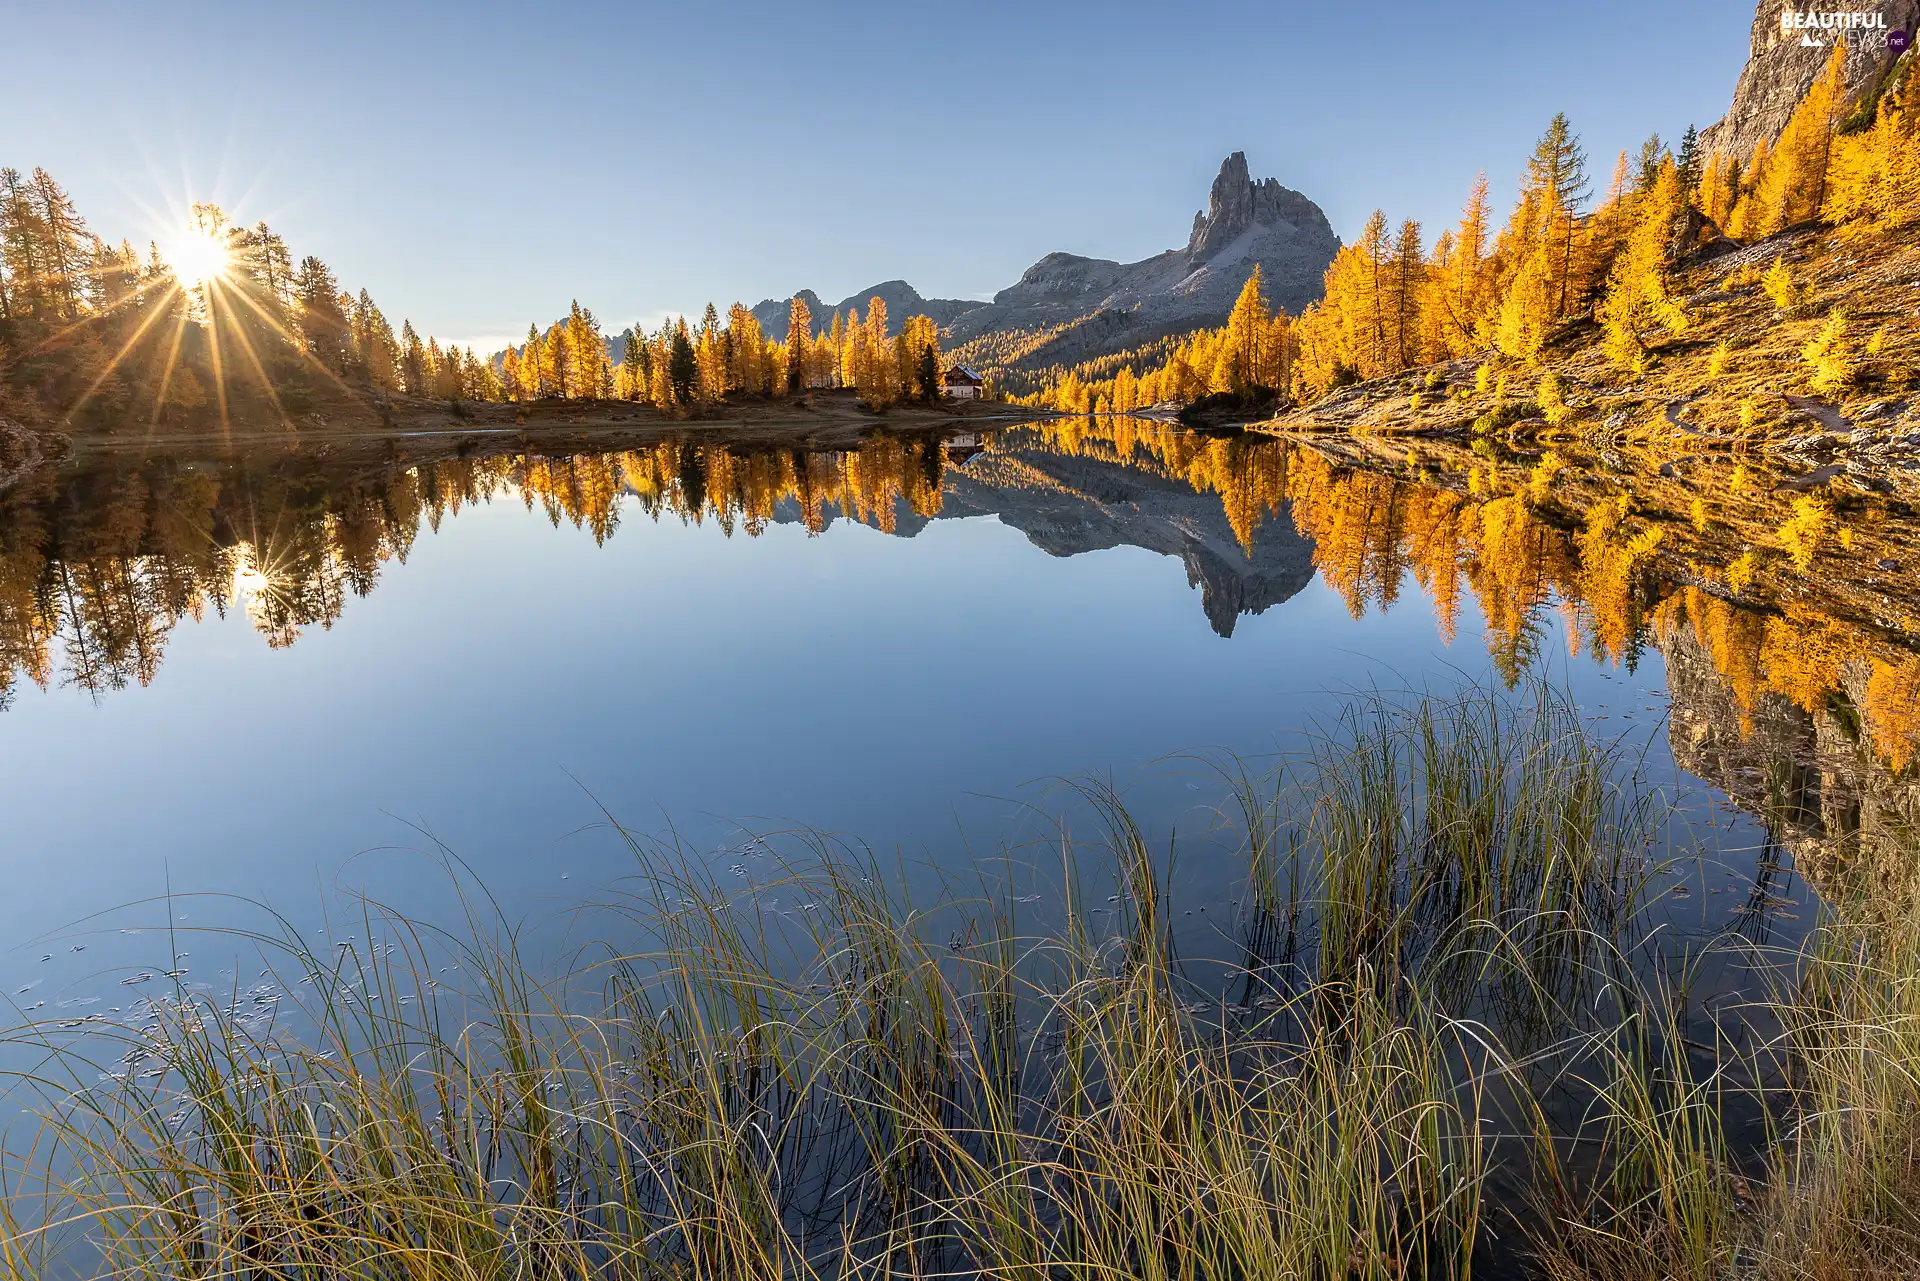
[{"x": 1559, "y": 277}]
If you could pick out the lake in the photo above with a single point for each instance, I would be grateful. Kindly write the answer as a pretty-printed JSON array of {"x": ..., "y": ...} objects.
[{"x": 277, "y": 673}]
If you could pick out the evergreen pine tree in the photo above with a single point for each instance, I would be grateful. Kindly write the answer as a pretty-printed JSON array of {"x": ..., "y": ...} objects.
[
  {"x": 928, "y": 375},
  {"x": 1688, "y": 162},
  {"x": 681, "y": 369}
]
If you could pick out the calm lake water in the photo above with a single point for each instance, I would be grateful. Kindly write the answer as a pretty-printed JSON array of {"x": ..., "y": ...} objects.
[{"x": 279, "y": 674}]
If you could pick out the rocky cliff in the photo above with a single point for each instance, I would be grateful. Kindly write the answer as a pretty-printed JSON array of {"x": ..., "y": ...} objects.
[
  {"x": 1828, "y": 799},
  {"x": 1782, "y": 65},
  {"x": 1068, "y": 505},
  {"x": 1097, "y": 305},
  {"x": 1067, "y": 307}
]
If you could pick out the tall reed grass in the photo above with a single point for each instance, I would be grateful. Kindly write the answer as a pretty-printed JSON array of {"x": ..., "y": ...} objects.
[{"x": 1441, "y": 1050}]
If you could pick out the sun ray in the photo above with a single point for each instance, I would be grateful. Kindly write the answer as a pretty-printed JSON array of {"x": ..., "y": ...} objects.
[
  {"x": 72, "y": 327},
  {"x": 299, "y": 347},
  {"x": 219, "y": 375},
  {"x": 166, "y": 370},
  {"x": 160, "y": 309},
  {"x": 253, "y": 357}
]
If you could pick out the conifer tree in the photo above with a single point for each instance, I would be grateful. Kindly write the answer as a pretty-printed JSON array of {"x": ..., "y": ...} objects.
[
  {"x": 1556, "y": 187},
  {"x": 1688, "y": 161},
  {"x": 1527, "y": 311},
  {"x": 927, "y": 374},
  {"x": 1874, "y": 176},
  {"x": 323, "y": 325},
  {"x": 1718, "y": 188},
  {"x": 1792, "y": 186},
  {"x": 681, "y": 369},
  {"x": 375, "y": 351},
  {"x": 510, "y": 375},
  {"x": 1646, "y": 169},
  {"x": 23, "y": 238},
  {"x": 413, "y": 360},
  {"x": 1745, "y": 218},
  {"x": 1246, "y": 335},
  {"x": 1637, "y": 292},
  {"x": 65, "y": 240},
  {"x": 1467, "y": 283},
  {"x": 634, "y": 359},
  {"x": 1376, "y": 266},
  {"x": 837, "y": 338},
  {"x": 1409, "y": 265},
  {"x": 799, "y": 330}
]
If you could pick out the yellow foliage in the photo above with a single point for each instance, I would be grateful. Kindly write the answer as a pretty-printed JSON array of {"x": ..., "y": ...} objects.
[
  {"x": 1553, "y": 405},
  {"x": 1717, "y": 362},
  {"x": 1540, "y": 481},
  {"x": 1637, "y": 293},
  {"x": 1741, "y": 573},
  {"x": 1830, "y": 357},
  {"x": 1788, "y": 295},
  {"x": 1806, "y": 528},
  {"x": 1891, "y": 709},
  {"x": 1873, "y": 178}
]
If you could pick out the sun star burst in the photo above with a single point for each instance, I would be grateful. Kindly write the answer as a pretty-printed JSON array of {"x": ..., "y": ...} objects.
[{"x": 197, "y": 255}]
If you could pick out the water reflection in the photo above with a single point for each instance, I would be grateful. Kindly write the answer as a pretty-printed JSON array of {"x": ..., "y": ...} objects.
[{"x": 1784, "y": 613}]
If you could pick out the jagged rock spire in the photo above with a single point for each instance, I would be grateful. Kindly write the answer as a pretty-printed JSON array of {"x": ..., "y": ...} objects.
[{"x": 1238, "y": 202}]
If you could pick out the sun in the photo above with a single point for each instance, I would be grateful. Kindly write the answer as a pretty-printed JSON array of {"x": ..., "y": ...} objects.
[{"x": 197, "y": 255}]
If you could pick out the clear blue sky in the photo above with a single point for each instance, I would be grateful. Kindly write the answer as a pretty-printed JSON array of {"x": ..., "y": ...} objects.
[{"x": 476, "y": 166}]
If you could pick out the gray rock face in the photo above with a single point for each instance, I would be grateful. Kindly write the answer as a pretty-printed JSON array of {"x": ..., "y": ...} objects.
[
  {"x": 1781, "y": 68},
  {"x": 1237, "y": 203},
  {"x": 1099, "y": 305},
  {"x": 1067, "y": 505},
  {"x": 1833, "y": 803},
  {"x": 1111, "y": 305}
]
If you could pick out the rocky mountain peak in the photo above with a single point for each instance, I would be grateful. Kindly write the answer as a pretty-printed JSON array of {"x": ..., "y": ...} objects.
[
  {"x": 1237, "y": 202},
  {"x": 1782, "y": 65}
]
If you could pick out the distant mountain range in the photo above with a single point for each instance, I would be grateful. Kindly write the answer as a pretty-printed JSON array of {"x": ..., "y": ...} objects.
[{"x": 1067, "y": 308}]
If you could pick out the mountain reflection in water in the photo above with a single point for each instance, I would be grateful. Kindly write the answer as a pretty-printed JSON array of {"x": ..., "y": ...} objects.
[{"x": 1785, "y": 612}]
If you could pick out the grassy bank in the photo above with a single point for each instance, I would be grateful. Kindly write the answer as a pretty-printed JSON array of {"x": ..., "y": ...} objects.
[{"x": 1453, "y": 1038}]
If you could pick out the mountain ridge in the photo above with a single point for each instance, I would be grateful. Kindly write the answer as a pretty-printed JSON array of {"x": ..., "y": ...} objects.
[{"x": 1069, "y": 307}]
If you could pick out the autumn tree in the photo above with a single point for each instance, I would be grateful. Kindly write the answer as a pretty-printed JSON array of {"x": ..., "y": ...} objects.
[
  {"x": 1873, "y": 176},
  {"x": 1792, "y": 186},
  {"x": 1404, "y": 286},
  {"x": 1637, "y": 289},
  {"x": 799, "y": 333},
  {"x": 322, "y": 323},
  {"x": 413, "y": 359}
]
